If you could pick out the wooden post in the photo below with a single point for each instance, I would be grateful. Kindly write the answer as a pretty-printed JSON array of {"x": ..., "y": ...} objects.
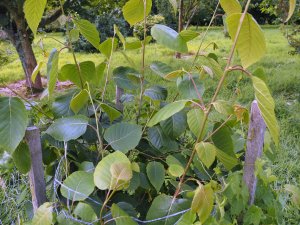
[
  {"x": 255, "y": 144},
  {"x": 36, "y": 174},
  {"x": 119, "y": 93}
]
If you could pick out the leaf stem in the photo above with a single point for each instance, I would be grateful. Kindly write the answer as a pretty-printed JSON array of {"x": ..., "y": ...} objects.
[{"x": 142, "y": 78}]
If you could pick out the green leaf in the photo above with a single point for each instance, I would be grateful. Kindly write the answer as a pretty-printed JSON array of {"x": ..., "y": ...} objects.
[
  {"x": 253, "y": 216},
  {"x": 251, "y": 43},
  {"x": 212, "y": 64},
  {"x": 223, "y": 107},
  {"x": 167, "y": 111},
  {"x": 121, "y": 76},
  {"x": 123, "y": 136},
  {"x": 33, "y": 10},
  {"x": 113, "y": 172},
  {"x": 110, "y": 111},
  {"x": 61, "y": 105},
  {"x": 223, "y": 140},
  {"x": 188, "y": 35},
  {"x": 195, "y": 121},
  {"x": 173, "y": 75},
  {"x": 69, "y": 128},
  {"x": 78, "y": 186},
  {"x": 291, "y": 10},
  {"x": 206, "y": 153},
  {"x": 52, "y": 70},
  {"x": 108, "y": 47},
  {"x": 36, "y": 71},
  {"x": 134, "y": 11},
  {"x": 175, "y": 170},
  {"x": 74, "y": 35},
  {"x": 21, "y": 157},
  {"x": 156, "y": 93},
  {"x": 187, "y": 87},
  {"x": 231, "y": 6},
  {"x": 203, "y": 202},
  {"x": 158, "y": 138},
  {"x": 100, "y": 78},
  {"x": 266, "y": 105},
  {"x": 89, "y": 31},
  {"x": 187, "y": 218},
  {"x": 160, "y": 68},
  {"x": 169, "y": 38},
  {"x": 175, "y": 125},
  {"x": 85, "y": 212},
  {"x": 133, "y": 45},
  {"x": 43, "y": 215},
  {"x": 156, "y": 174},
  {"x": 228, "y": 161},
  {"x": 121, "y": 217},
  {"x": 164, "y": 205},
  {"x": 87, "y": 73},
  {"x": 13, "y": 122},
  {"x": 79, "y": 101},
  {"x": 120, "y": 35}
]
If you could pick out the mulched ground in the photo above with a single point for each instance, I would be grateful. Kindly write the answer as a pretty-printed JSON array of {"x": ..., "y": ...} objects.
[{"x": 19, "y": 88}]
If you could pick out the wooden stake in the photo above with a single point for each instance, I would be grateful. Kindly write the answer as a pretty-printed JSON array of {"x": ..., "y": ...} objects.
[
  {"x": 36, "y": 174},
  {"x": 119, "y": 93},
  {"x": 255, "y": 142}
]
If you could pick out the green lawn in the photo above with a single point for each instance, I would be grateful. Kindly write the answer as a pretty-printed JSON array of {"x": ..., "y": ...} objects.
[{"x": 283, "y": 77}]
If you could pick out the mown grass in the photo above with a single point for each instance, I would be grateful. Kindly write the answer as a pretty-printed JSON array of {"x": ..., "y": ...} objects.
[{"x": 283, "y": 78}]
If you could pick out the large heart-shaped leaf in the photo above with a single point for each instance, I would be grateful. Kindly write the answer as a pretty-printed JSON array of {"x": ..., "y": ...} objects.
[
  {"x": 167, "y": 111},
  {"x": 169, "y": 38},
  {"x": 175, "y": 125},
  {"x": 43, "y": 215},
  {"x": 87, "y": 73},
  {"x": 122, "y": 75},
  {"x": 134, "y": 10},
  {"x": 85, "y": 212},
  {"x": 156, "y": 93},
  {"x": 191, "y": 87},
  {"x": 223, "y": 140},
  {"x": 108, "y": 47},
  {"x": 195, "y": 121},
  {"x": 13, "y": 122},
  {"x": 251, "y": 43},
  {"x": 156, "y": 174},
  {"x": 89, "y": 31},
  {"x": 22, "y": 159},
  {"x": 121, "y": 217},
  {"x": 123, "y": 136},
  {"x": 113, "y": 172},
  {"x": 164, "y": 205},
  {"x": 69, "y": 128},
  {"x": 206, "y": 153},
  {"x": 78, "y": 186},
  {"x": 79, "y": 101},
  {"x": 266, "y": 106},
  {"x": 33, "y": 10},
  {"x": 160, "y": 68},
  {"x": 203, "y": 202}
]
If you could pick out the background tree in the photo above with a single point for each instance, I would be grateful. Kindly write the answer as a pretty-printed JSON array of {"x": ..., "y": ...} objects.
[{"x": 14, "y": 25}]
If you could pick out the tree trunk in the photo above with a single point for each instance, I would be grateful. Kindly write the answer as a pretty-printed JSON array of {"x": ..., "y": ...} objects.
[
  {"x": 28, "y": 60},
  {"x": 20, "y": 38},
  {"x": 180, "y": 24}
]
